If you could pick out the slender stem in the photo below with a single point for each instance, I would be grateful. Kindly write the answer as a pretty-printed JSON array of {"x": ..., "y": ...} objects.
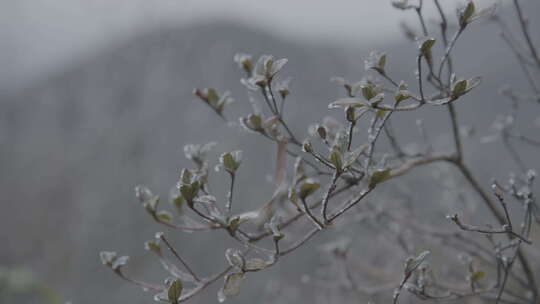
[
  {"x": 525, "y": 30},
  {"x": 478, "y": 189},
  {"x": 349, "y": 205},
  {"x": 351, "y": 129},
  {"x": 449, "y": 50},
  {"x": 187, "y": 228},
  {"x": 290, "y": 221},
  {"x": 420, "y": 84},
  {"x": 322, "y": 160},
  {"x": 374, "y": 133},
  {"x": 268, "y": 102},
  {"x": 521, "y": 61},
  {"x": 272, "y": 98},
  {"x": 326, "y": 198},
  {"x": 230, "y": 195},
  {"x": 418, "y": 11},
  {"x": 291, "y": 134},
  {"x": 392, "y": 139},
  {"x": 293, "y": 154},
  {"x": 455, "y": 131},
  {"x": 175, "y": 253},
  {"x": 487, "y": 230},
  {"x": 300, "y": 242},
  {"x": 527, "y": 269},
  {"x": 394, "y": 83},
  {"x": 317, "y": 223},
  {"x": 202, "y": 215},
  {"x": 282, "y": 105},
  {"x": 204, "y": 284},
  {"x": 444, "y": 34},
  {"x": 141, "y": 284},
  {"x": 506, "y": 214}
]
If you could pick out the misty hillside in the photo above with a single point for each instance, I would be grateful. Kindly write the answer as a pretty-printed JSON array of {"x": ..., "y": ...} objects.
[{"x": 75, "y": 145}]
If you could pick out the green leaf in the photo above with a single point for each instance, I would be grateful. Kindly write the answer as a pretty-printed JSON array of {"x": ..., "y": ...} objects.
[
  {"x": 151, "y": 204},
  {"x": 235, "y": 258},
  {"x": 472, "y": 83},
  {"x": 119, "y": 262},
  {"x": 403, "y": 86},
  {"x": 375, "y": 61},
  {"x": 293, "y": 196},
  {"x": 186, "y": 176},
  {"x": 224, "y": 100},
  {"x": 402, "y": 4},
  {"x": 368, "y": 91},
  {"x": 176, "y": 199},
  {"x": 350, "y": 114},
  {"x": 273, "y": 226},
  {"x": 143, "y": 193},
  {"x": 376, "y": 99},
  {"x": 228, "y": 162},
  {"x": 440, "y": 101},
  {"x": 485, "y": 12},
  {"x": 175, "y": 291},
  {"x": 107, "y": 257},
  {"x": 247, "y": 216},
  {"x": 382, "y": 62},
  {"x": 426, "y": 45},
  {"x": 231, "y": 287},
  {"x": 412, "y": 263},
  {"x": 255, "y": 264},
  {"x": 164, "y": 215},
  {"x": 345, "y": 102},
  {"x": 378, "y": 177},
  {"x": 402, "y": 93},
  {"x": 477, "y": 275},
  {"x": 233, "y": 224},
  {"x": 459, "y": 87},
  {"x": 336, "y": 160},
  {"x": 189, "y": 192},
  {"x": 244, "y": 61},
  {"x": 299, "y": 170},
  {"x": 186, "y": 192},
  {"x": 153, "y": 246},
  {"x": 352, "y": 156},
  {"x": 213, "y": 96},
  {"x": 267, "y": 63},
  {"x": 278, "y": 65},
  {"x": 308, "y": 187},
  {"x": 307, "y": 147},
  {"x": 255, "y": 121},
  {"x": 467, "y": 14},
  {"x": 283, "y": 87},
  {"x": 197, "y": 153},
  {"x": 321, "y": 130},
  {"x": 231, "y": 161}
]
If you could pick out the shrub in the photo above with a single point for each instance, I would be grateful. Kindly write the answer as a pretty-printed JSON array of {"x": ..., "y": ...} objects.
[{"x": 338, "y": 167}]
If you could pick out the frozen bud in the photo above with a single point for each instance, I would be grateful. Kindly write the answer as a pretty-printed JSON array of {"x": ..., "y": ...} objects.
[
  {"x": 350, "y": 114},
  {"x": 466, "y": 14},
  {"x": 244, "y": 61},
  {"x": 321, "y": 130},
  {"x": 307, "y": 147}
]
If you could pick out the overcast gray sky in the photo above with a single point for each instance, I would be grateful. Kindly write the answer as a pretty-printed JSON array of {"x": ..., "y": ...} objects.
[{"x": 38, "y": 35}]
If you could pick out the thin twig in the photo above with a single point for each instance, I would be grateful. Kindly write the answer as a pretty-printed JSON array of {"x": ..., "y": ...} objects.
[{"x": 175, "y": 253}]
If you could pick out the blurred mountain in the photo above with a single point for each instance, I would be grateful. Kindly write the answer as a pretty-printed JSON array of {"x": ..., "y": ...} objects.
[{"x": 75, "y": 145}]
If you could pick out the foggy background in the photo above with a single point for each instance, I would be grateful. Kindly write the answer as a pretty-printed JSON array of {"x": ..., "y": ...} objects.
[{"x": 96, "y": 98}]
